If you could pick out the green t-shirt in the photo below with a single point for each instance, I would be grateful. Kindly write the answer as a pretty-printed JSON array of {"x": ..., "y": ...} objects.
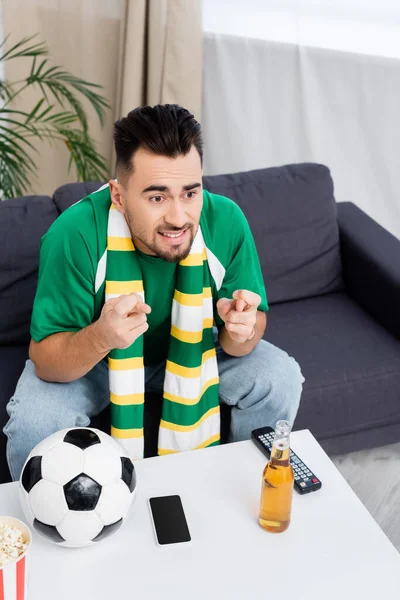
[
  {"x": 154, "y": 271},
  {"x": 71, "y": 286}
]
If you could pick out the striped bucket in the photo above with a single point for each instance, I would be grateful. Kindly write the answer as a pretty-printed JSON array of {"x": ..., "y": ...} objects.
[{"x": 13, "y": 576}]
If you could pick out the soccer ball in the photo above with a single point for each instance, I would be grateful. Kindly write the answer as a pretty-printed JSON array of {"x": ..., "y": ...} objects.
[{"x": 77, "y": 486}]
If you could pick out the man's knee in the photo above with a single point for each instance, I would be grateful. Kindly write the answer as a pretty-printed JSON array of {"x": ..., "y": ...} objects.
[
  {"x": 37, "y": 410},
  {"x": 286, "y": 385},
  {"x": 279, "y": 375}
]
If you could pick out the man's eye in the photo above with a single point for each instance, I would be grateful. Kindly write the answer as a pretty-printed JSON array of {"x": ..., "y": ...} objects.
[
  {"x": 190, "y": 195},
  {"x": 157, "y": 199}
]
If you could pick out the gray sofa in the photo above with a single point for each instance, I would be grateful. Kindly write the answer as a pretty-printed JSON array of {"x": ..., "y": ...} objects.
[{"x": 333, "y": 282}]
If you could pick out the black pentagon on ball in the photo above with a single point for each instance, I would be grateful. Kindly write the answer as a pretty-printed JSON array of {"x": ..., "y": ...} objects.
[
  {"x": 128, "y": 473},
  {"x": 48, "y": 531},
  {"x": 82, "y": 493},
  {"x": 83, "y": 438},
  {"x": 32, "y": 473},
  {"x": 108, "y": 530}
]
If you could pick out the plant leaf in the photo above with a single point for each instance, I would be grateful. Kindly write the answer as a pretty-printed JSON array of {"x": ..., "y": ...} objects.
[
  {"x": 22, "y": 48},
  {"x": 15, "y": 173},
  {"x": 34, "y": 111},
  {"x": 63, "y": 119},
  {"x": 12, "y": 132},
  {"x": 6, "y": 91},
  {"x": 88, "y": 162},
  {"x": 59, "y": 81}
]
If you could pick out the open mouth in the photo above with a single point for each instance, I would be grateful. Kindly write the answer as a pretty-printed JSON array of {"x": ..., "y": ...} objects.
[{"x": 173, "y": 236}]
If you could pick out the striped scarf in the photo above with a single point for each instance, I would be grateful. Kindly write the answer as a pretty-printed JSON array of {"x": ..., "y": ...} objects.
[{"x": 190, "y": 416}]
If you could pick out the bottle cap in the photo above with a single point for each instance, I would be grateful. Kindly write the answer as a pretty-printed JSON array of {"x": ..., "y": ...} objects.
[{"x": 283, "y": 428}]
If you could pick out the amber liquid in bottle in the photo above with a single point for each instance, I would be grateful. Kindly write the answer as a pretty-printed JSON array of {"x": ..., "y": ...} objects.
[{"x": 277, "y": 484}]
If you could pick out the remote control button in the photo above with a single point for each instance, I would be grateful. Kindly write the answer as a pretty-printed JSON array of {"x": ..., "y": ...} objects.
[
  {"x": 302, "y": 484},
  {"x": 315, "y": 480}
]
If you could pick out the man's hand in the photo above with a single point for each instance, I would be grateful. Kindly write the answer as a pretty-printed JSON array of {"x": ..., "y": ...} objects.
[
  {"x": 67, "y": 356},
  {"x": 240, "y": 315},
  {"x": 121, "y": 322}
]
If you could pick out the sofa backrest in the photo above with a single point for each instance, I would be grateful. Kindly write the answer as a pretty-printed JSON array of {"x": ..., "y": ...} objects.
[
  {"x": 292, "y": 214},
  {"x": 23, "y": 221},
  {"x": 66, "y": 195},
  {"x": 291, "y": 211}
]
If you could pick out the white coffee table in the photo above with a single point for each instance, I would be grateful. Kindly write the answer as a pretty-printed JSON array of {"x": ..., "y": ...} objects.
[{"x": 332, "y": 550}]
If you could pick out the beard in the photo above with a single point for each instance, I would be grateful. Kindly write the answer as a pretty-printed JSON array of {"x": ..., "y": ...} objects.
[{"x": 174, "y": 253}]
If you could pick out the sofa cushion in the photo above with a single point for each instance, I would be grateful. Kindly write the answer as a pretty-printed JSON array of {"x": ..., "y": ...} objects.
[
  {"x": 23, "y": 221},
  {"x": 66, "y": 195},
  {"x": 351, "y": 364},
  {"x": 292, "y": 214}
]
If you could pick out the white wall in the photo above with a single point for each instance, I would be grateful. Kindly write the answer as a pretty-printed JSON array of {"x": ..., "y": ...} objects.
[
  {"x": 267, "y": 103},
  {"x": 366, "y": 26}
]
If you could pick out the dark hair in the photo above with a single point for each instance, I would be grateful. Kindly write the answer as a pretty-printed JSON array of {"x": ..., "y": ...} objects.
[{"x": 166, "y": 129}]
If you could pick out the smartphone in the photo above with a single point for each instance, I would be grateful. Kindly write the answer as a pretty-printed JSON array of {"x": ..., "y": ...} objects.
[{"x": 169, "y": 520}]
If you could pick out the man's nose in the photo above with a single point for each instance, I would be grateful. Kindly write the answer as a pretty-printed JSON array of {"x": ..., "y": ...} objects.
[{"x": 176, "y": 215}]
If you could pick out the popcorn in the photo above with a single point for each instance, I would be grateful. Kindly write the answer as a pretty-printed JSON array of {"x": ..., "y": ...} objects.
[{"x": 12, "y": 544}]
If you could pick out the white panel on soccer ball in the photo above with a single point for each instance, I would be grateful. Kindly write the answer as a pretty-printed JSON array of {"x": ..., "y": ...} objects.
[
  {"x": 26, "y": 507},
  {"x": 47, "y": 443},
  {"x": 62, "y": 463},
  {"x": 130, "y": 508},
  {"x": 80, "y": 528},
  {"x": 102, "y": 463},
  {"x": 48, "y": 502},
  {"x": 114, "y": 502},
  {"x": 107, "y": 439}
]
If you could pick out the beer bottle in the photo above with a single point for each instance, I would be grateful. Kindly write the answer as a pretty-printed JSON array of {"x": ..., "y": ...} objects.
[{"x": 277, "y": 483}]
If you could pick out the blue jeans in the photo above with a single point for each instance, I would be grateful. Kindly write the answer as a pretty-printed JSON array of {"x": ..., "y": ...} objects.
[{"x": 261, "y": 388}]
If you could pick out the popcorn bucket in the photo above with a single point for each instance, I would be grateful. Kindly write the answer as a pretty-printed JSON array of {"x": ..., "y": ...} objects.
[{"x": 13, "y": 558}]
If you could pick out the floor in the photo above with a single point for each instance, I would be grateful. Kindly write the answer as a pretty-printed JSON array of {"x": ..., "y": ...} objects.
[{"x": 380, "y": 490}]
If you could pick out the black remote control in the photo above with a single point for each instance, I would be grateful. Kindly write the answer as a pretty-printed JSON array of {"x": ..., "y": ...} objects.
[{"x": 304, "y": 480}]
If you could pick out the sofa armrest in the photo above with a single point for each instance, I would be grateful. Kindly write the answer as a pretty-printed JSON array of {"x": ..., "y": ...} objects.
[{"x": 371, "y": 265}]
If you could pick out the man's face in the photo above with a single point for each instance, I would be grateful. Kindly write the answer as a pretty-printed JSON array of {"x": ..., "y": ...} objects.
[{"x": 162, "y": 202}]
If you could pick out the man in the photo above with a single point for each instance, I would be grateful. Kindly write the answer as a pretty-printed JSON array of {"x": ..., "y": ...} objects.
[{"x": 151, "y": 283}]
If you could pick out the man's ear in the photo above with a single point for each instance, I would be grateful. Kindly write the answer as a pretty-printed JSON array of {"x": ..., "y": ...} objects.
[{"x": 117, "y": 195}]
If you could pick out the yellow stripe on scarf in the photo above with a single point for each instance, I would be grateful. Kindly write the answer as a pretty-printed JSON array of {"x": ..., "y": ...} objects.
[
  {"x": 124, "y": 287},
  {"x": 189, "y": 372},
  {"x": 194, "y": 260},
  {"x": 192, "y": 299},
  {"x": 126, "y": 433},
  {"x": 125, "y": 364},
  {"x": 191, "y": 337},
  {"x": 211, "y": 440},
  {"x": 119, "y": 243},
  {"x": 186, "y": 428},
  {"x": 191, "y": 401},
  {"x": 126, "y": 399}
]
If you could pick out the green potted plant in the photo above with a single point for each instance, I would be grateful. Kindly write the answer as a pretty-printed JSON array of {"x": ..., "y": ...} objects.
[{"x": 57, "y": 116}]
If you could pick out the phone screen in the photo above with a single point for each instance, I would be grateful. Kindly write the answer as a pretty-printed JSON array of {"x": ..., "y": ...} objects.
[{"x": 169, "y": 520}]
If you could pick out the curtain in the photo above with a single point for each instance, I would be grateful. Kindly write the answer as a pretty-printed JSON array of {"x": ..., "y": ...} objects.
[
  {"x": 162, "y": 54},
  {"x": 140, "y": 51}
]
